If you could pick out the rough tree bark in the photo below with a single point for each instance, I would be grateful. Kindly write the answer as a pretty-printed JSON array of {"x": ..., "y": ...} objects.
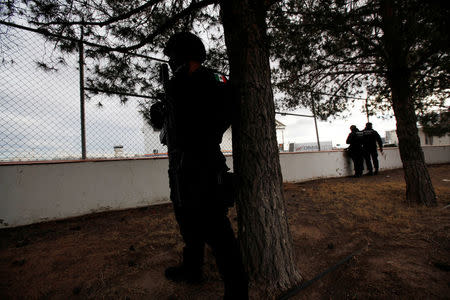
[
  {"x": 419, "y": 188},
  {"x": 263, "y": 226}
]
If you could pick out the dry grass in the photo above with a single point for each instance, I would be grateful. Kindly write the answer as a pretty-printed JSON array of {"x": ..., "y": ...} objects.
[
  {"x": 124, "y": 254},
  {"x": 402, "y": 245}
]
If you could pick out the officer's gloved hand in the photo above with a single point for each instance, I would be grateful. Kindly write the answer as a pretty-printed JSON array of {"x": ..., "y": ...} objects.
[{"x": 157, "y": 115}]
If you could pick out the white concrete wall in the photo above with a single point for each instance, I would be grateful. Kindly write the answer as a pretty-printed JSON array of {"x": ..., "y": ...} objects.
[
  {"x": 437, "y": 154},
  {"x": 39, "y": 192},
  {"x": 33, "y": 193},
  {"x": 433, "y": 140},
  {"x": 391, "y": 138}
]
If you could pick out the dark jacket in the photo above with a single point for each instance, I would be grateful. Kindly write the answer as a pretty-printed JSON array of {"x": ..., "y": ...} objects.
[
  {"x": 196, "y": 113},
  {"x": 355, "y": 139},
  {"x": 371, "y": 138},
  {"x": 201, "y": 112}
]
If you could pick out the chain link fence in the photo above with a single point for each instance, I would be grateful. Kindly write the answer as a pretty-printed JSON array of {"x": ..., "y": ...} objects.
[
  {"x": 41, "y": 115},
  {"x": 41, "y": 112},
  {"x": 39, "y": 105}
]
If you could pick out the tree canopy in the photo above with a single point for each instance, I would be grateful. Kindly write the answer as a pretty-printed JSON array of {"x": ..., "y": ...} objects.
[
  {"x": 397, "y": 51},
  {"x": 436, "y": 123},
  {"x": 329, "y": 51},
  {"x": 121, "y": 37},
  {"x": 335, "y": 50}
]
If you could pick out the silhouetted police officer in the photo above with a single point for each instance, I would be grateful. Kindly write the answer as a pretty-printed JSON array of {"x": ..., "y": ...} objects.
[
  {"x": 355, "y": 139},
  {"x": 371, "y": 138},
  {"x": 195, "y": 116}
]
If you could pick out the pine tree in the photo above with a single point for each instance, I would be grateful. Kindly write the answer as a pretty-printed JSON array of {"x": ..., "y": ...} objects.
[{"x": 329, "y": 51}]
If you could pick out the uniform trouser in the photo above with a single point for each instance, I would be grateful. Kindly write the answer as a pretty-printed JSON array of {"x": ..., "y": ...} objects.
[
  {"x": 358, "y": 163},
  {"x": 200, "y": 227},
  {"x": 369, "y": 156},
  {"x": 202, "y": 219}
]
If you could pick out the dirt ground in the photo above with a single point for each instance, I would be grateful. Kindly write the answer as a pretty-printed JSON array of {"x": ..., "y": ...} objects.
[{"x": 405, "y": 251}]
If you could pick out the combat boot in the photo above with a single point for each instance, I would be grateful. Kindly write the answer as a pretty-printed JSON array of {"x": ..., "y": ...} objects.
[
  {"x": 182, "y": 273},
  {"x": 236, "y": 290},
  {"x": 190, "y": 270}
]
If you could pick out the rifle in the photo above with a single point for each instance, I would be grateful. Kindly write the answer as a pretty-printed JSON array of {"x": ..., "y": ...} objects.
[
  {"x": 164, "y": 76},
  {"x": 166, "y": 139},
  {"x": 158, "y": 110},
  {"x": 164, "y": 80}
]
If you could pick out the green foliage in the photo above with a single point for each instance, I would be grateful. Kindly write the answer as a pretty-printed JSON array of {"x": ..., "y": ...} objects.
[
  {"x": 436, "y": 123},
  {"x": 333, "y": 50},
  {"x": 122, "y": 28}
]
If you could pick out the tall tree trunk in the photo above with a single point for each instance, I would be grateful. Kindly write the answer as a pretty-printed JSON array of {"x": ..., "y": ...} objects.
[
  {"x": 263, "y": 226},
  {"x": 419, "y": 188}
]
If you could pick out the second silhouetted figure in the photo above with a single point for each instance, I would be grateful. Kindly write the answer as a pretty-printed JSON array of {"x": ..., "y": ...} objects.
[
  {"x": 370, "y": 140},
  {"x": 355, "y": 139}
]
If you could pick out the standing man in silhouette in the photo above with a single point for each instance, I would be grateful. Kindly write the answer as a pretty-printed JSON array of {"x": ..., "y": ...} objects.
[
  {"x": 355, "y": 139},
  {"x": 371, "y": 138},
  {"x": 194, "y": 117}
]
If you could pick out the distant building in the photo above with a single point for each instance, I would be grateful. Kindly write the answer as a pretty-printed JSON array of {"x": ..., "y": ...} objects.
[
  {"x": 425, "y": 139},
  {"x": 391, "y": 138},
  {"x": 226, "y": 145},
  {"x": 280, "y": 127},
  {"x": 118, "y": 151},
  {"x": 306, "y": 147}
]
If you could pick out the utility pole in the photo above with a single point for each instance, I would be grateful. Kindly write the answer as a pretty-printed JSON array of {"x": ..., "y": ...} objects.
[
  {"x": 367, "y": 108},
  {"x": 315, "y": 119},
  {"x": 82, "y": 96}
]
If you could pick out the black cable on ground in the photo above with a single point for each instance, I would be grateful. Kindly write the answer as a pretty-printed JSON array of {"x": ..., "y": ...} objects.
[{"x": 294, "y": 291}]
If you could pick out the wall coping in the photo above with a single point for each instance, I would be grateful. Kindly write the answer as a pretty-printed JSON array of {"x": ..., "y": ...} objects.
[{"x": 49, "y": 162}]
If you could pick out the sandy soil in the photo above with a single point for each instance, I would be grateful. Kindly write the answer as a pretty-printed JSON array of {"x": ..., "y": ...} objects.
[{"x": 405, "y": 251}]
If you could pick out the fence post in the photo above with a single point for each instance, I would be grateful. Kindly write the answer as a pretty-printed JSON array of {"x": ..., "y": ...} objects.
[
  {"x": 367, "y": 108},
  {"x": 315, "y": 119},
  {"x": 82, "y": 97}
]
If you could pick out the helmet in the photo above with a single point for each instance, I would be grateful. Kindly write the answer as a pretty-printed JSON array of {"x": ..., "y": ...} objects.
[{"x": 185, "y": 46}]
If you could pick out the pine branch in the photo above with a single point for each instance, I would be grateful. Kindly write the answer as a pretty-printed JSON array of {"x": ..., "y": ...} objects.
[
  {"x": 346, "y": 72},
  {"x": 102, "y": 23},
  {"x": 194, "y": 6},
  {"x": 47, "y": 33},
  {"x": 427, "y": 73}
]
